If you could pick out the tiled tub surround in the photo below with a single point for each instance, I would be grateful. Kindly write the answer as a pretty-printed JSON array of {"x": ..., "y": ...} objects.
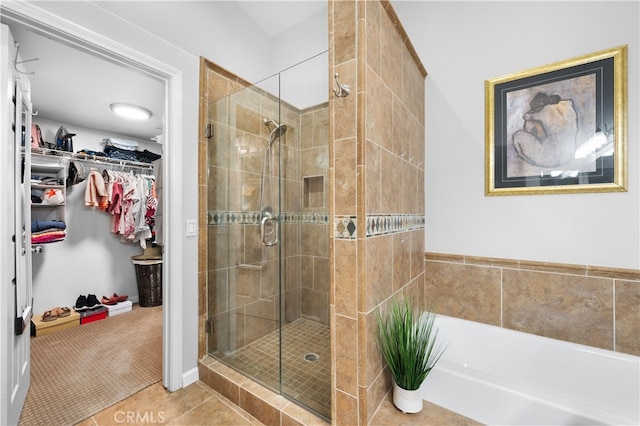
[{"x": 593, "y": 306}]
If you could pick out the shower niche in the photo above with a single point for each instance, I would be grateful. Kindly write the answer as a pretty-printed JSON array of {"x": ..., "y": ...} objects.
[
  {"x": 267, "y": 234},
  {"x": 313, "y": 191}
]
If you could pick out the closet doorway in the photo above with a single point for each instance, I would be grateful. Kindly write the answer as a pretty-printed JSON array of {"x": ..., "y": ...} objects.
[{"x": 21, "y": 15}]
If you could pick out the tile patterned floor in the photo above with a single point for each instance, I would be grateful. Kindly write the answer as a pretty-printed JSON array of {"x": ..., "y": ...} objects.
[
  {"x": 196, "y": 404},
  {"x": 431, "y": 415},
  {"x": 305, "y": 380},
  {"x": 199, "y": 405}
]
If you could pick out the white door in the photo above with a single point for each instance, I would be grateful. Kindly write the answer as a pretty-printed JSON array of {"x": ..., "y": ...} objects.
[{"x": 15, "y": 235}]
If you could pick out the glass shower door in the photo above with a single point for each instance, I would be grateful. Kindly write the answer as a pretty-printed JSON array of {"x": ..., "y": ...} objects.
[
  {"x": 243, "y": 251},
  {"x": 268, "y": 236}
]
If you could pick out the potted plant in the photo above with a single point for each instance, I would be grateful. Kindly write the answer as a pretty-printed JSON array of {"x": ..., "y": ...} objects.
[{"x": 410, "y": 346}]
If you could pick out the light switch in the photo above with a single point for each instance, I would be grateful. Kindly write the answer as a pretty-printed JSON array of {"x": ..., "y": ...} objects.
[{"x": 190, "y": 228}]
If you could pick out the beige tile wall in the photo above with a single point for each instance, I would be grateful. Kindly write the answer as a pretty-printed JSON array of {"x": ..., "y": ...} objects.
[
  {"x": 377, "y": 204},
  {"x": 592, "y": 306},
  {"x": 314, "y": 237}
]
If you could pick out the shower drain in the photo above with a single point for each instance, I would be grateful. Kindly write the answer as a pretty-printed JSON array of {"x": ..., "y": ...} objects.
[{"x": 311, "y": 357}]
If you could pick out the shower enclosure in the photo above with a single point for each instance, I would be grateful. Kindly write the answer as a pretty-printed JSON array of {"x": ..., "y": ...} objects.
[{"x": 268, "y": 236}]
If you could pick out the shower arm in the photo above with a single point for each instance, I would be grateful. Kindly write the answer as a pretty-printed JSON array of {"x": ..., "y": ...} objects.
[{"x": 343, "y": 90}]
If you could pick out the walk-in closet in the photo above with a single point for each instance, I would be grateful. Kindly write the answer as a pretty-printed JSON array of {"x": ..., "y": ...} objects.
[{"x": 91, "y": 185}]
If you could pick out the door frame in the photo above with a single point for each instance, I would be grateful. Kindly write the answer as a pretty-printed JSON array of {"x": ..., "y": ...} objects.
[{"x": 28, "y": 15}]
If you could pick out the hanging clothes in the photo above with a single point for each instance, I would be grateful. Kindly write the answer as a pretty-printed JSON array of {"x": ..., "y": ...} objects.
[
  {"x": 96, "y": 191},
  {"x": 131, "y": 201}
]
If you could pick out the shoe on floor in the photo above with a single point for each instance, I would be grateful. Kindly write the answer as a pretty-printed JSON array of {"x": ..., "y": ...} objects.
[
  {"x": 92, "y": 301},
  {"x": 81, "y": 304},
  {"x": 120, "y": 298},
  {"x": 108, "y": 300}
]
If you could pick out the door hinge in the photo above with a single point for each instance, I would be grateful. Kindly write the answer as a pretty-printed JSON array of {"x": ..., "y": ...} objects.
[
  {"x": 208, "y": 131},
  {"x": 209, "y": 326}
]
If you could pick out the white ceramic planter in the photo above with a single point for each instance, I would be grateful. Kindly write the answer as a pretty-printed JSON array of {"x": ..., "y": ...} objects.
[{"x": 407, "y": 401}]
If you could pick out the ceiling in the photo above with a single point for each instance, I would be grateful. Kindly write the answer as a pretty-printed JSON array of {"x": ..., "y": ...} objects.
[
  {"x": 76, "y": 87},
  {"x": 274, "y": 17}
]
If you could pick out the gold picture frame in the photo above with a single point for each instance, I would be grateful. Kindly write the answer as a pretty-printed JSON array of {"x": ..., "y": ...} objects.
[{"x": 559, "y": 128}]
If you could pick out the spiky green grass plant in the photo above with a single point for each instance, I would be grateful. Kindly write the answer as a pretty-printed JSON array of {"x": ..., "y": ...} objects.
[{"x": 409, "y": 342}]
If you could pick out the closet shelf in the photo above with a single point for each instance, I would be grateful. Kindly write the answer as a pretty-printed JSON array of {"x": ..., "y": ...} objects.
[{"x": 86, "y": 157}]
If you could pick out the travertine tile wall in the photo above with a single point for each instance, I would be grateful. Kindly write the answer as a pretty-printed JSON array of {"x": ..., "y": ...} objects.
[
  {"x": 314, "y": 235},
  {"x": 592, "y": 306},
  {"x": 377, "y": 209}
]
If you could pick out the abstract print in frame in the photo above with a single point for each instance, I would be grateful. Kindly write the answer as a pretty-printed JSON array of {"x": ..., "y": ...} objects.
[{"x": 560, "y": 128}]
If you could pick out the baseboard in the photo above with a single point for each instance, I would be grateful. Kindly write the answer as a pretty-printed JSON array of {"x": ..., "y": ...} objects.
[{"x": 190, "y": 377}]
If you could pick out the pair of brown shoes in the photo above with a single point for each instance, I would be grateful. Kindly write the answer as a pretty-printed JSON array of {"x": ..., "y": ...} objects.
[
  {"x": 115, "y": 299},
  {"x": 56, "y": 313}
]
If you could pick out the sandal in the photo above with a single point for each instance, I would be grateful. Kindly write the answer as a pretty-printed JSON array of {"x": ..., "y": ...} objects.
[
  {"x": 50, "y": 316},
  {"x": 63, "y": 312}
]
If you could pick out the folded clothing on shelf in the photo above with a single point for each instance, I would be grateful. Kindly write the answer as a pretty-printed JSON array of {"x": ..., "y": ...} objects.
[
  {"x": 127, "y": 144},
  {"x": 48, "y": 231},
  {"x": 45, "y": 180},
  {"x": 145, "y": 156},
  {"x": 48, "y": 236},
  {"x": 43, "y": 225}
]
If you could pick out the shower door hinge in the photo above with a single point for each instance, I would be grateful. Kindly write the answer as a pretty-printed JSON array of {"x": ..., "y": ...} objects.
[
  {"x": 209, "y": 326},
  {"x": 208, "y": 130}
]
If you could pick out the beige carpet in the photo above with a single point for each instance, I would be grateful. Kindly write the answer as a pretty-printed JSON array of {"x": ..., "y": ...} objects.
[{"x": 78, "y": 372}]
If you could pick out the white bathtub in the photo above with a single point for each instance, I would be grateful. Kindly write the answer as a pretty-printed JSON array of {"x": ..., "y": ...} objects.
[{"x": 503, "y": 377}]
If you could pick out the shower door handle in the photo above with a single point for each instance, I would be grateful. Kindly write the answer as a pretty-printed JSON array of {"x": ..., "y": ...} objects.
[{"x": 268, "y": 217}]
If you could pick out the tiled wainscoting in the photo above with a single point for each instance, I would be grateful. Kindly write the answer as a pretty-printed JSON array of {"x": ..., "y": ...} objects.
[{"x": 590, "y": 305}]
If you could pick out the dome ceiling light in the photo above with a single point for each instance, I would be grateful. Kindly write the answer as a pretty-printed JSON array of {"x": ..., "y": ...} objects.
[{"x": 132, "y": 112}]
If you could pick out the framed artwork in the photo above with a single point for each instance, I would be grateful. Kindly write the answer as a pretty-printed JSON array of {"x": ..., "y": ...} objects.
[{"x": 559, "y": 128}]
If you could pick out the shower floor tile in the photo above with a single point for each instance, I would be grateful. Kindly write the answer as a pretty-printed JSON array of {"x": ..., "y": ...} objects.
[{"x": 306, "y": 363}]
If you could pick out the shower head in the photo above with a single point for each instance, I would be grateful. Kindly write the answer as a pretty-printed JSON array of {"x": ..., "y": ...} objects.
[{"x": 278, "y": 132}]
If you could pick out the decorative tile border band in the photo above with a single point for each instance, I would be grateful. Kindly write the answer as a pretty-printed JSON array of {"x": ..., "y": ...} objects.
[
  {"x": 390, "y": 224},
  {"x": 345, "y": 226},
  {"x": 217, "y": 218}
]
